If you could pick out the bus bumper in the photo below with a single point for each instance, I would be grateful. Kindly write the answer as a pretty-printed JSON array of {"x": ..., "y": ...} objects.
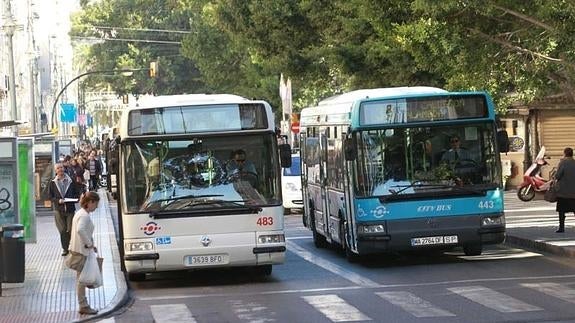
[
  {"x": 401, "y": 235},
  {"x": 187, "y": 252}
]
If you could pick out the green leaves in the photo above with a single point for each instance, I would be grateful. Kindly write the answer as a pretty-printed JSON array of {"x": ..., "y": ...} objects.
[{"x": 516, "y": 50}]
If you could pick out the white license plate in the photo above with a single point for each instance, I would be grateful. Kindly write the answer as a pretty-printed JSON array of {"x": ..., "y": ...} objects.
[
  {"x": 425, "y": 241},
  {"x": 206, "y": 260}
]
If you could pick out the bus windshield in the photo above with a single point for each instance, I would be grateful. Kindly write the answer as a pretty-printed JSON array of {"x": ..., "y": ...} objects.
[
  {"x": 201, "y": 173},
  {"x": 419, "y": 161}
]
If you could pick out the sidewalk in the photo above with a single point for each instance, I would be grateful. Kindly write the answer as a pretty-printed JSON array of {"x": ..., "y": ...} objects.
[
  {"x": 532, "y": 225},
  {"x": 48, "y": 293}
]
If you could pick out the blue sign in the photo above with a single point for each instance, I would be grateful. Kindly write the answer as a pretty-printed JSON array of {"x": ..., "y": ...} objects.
[
  {"x": 163, "y": 240},
  {"x": 68, "y": 112}
]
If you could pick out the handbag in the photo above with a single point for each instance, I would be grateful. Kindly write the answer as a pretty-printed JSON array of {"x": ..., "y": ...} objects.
[
  {"x": 551, "y": 193},
  {"x": 75, "y": 261}
]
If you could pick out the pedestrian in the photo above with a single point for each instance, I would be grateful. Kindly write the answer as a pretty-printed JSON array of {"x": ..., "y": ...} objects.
[
  {"x": 565, "y": 185},
  {"x": 95, "y": 168},
  {"x": 63, "y": 194},
  {"x": 82, "y": 242}
]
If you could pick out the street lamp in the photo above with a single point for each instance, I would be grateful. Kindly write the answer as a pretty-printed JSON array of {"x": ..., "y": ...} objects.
[{"x": 122, "y": 71}]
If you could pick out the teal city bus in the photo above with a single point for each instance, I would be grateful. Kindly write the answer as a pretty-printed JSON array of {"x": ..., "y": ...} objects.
[{"x": 401, "y": 169}]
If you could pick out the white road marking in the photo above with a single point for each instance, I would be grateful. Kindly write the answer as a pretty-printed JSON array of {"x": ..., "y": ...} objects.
[
  {"x": 335, "y": 308},
  {"x": 299, "y": 238},
  {"x": 555, "y": 290},
  {"x": 494, "y": 299},
  {"x": 531, "y": 209},
  {"x": 335, "y": 289},
  {"x": 171, "y": 313},
  {"x": 330, "y": 266},
  {"x": 414, "y": 305},
  {"x": 108, "y": 320},
  {"x": 252, "y": 312}
]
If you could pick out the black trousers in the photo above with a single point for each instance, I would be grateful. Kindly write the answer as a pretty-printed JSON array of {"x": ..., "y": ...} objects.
[
  {"x": 94, "y": 182},
  {"x": 64, "y": 225}
]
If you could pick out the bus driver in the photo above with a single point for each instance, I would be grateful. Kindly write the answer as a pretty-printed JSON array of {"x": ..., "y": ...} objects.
[{"x": 238, "y": 163}]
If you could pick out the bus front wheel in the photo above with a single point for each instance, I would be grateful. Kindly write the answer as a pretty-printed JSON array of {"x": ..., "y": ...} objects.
[
  {"x": 264, "y": 270},
  {"x": 136, "y": 277},
  {"x": 473, "y": 250},
  {"x": 349, "y": 254},
  {"x": 318, "y": 240}
]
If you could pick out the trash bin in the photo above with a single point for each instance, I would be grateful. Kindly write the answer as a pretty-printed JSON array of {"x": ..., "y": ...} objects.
[{"x": 12, "y": 253}]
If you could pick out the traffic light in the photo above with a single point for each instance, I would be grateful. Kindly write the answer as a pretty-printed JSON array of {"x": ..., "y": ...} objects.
[{"x": 153, "y": 69}]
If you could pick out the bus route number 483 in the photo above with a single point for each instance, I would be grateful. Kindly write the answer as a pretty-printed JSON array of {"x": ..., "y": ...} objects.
[{"x": 265, "y": 220}]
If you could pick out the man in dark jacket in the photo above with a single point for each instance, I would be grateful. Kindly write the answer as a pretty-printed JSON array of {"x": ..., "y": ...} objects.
[
  {"x": 565, "y": 178},
  {"x": 95, "y": 168},
  {"x": 64, "y": 194}
]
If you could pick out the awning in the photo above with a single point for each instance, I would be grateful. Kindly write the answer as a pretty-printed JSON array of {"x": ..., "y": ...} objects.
[{"x": 10, "y": 123}]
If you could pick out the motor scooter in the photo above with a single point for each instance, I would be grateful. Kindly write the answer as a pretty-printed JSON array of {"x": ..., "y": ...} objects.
[{"x": 533, "y": 183}]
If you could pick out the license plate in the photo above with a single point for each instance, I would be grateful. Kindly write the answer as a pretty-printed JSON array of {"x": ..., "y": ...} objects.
[
  {"x": 425, "y": 241},
  {"x": 206, "y": 260}
]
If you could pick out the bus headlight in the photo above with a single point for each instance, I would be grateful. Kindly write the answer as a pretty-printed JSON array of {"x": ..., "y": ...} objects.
[
  {"x": 492, "y": 220},
  {"x": 271, "y": 238},
  {"x": 140, "y": 246},
  {"x": 371, "y": 228}
]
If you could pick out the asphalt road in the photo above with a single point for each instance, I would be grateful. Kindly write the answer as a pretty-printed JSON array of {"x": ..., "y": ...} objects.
[{"x": 318, "y": 285}]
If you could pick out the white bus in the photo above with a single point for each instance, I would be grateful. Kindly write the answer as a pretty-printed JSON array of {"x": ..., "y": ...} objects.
[{"x": 184, "y": 203}]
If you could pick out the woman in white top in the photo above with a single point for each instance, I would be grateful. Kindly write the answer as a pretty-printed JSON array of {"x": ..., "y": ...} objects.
[{"x": 82, "y": 241}]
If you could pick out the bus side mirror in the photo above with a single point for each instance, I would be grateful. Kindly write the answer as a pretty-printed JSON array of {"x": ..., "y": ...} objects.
[
  {"x": 285, "y": 155},
  {"x": 503, "y": 141},
  {"x": 350, "y": 150}
]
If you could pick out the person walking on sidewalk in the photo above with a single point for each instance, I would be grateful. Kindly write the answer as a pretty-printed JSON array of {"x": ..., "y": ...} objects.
[
  {"x": 565, "y": 178},
  {"x": 63, "y": 194},
  {"x": 81, "y": 243},
  {"x": 95, "y": 168}
]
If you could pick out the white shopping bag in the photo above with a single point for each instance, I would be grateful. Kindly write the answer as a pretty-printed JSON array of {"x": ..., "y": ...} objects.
[{"x": 91, "y": 275}]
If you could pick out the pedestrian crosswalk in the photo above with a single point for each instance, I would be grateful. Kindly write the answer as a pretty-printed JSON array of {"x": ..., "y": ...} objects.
[{"x": 347, "y": 307}]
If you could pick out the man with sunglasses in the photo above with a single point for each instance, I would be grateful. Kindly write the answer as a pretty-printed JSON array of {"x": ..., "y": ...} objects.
[
  {"x": 456, "y": 153},
  {"x": 238, "y": 163}
]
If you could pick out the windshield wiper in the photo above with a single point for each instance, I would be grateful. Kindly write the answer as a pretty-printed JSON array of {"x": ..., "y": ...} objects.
[
  {"x": 405, "y": 187},
  {"x": 235, "y": 203},
  {"x": 189, "y": 196},
  {"x": 456, "y": 187}
]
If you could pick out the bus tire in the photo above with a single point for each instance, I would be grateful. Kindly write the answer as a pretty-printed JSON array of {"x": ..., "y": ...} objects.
[
  {"x": 473, "y": 249},
  {"x": 264, "y": 270},
  {"x": 319, "y": 241},
  {"x": 136, "y": 277},
  {"x": 349, "y": 254}
]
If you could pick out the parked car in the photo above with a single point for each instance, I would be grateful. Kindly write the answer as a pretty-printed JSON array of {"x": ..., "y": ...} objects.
[{"x": 291, "y": 185}]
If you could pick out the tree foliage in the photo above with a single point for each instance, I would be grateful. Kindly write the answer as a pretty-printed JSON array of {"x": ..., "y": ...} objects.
[{"x": 516, "y": 50}]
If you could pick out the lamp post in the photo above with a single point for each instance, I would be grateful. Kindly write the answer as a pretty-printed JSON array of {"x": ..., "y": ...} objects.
[{"x": 84, "y": 74}]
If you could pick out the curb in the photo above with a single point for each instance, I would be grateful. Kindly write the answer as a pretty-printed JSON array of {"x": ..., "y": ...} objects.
[
  {"x": 122, "y": 296},
  {"x": 539, "y": 246}
]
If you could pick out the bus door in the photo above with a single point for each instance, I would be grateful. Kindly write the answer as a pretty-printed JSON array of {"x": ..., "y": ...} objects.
[
  {"x": 348, "y": 175},
  {"x": 304, "y": 178},
  {"x": 323, "y": 201},
  {"x": 312, "y": 185}
]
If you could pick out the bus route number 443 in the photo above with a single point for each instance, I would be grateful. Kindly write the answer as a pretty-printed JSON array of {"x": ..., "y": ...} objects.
[{"x": 486, "y": 205}]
